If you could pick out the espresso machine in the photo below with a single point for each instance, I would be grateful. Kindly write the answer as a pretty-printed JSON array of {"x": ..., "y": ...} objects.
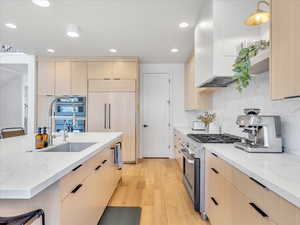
[{"x": 264, "y": 132}]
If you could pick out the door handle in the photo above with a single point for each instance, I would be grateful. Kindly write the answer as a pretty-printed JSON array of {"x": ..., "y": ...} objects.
[
  {"x": 109, "y": 108},
  {"x": 145, "y": 125},
  {"x": 104, "y": 116}
]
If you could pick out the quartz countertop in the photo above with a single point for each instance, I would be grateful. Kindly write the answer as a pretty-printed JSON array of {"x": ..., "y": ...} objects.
[
  {"x": 279, "y": 172},
  {"x": 24, "y": 171},
  {"x": 187, "y": 130}
]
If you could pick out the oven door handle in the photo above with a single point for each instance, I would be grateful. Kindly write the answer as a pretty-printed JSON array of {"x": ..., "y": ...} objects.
[{"x": 187, "y": 157}]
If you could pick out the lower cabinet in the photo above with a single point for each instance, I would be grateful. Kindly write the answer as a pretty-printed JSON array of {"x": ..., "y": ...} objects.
[
  {"x": 87, "y": 200},
  {"x": 233, "y": 198},
  {"x": 177, "y": 150}
]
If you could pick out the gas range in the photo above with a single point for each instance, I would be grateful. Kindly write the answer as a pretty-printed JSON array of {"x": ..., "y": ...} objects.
[{"x": 214, "y": 138}]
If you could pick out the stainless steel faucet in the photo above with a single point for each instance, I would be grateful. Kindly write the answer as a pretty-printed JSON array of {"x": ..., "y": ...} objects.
[
  {"x": 66, "y": 131},
  {"x": 52, "y": 103}
]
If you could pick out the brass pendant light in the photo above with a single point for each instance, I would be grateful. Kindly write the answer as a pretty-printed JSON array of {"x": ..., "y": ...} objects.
[{"x": 260, "y": 16}]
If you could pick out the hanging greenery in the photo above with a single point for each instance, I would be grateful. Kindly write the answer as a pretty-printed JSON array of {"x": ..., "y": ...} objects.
[{"x": 242, "y": 64}]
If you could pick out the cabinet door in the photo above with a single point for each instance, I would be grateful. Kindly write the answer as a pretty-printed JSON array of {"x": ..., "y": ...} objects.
[
  {"x": 244, "y": 212},
  {"x": 125, "y": 70},
  {"x": 46, "y": 78},
  {"x": 63, "y": 78},
  {"x": 98, "y": 112},
  {"x": 83, "y": 205},
  {"x": 285, "y": 49},
  {"x": 100, "y": 70},
  {"x": 43, "y": 110},
  {"x": 122, "y": 118},
  {"x": 79, "y": 78},
  {"x": 112, "y": 85}
]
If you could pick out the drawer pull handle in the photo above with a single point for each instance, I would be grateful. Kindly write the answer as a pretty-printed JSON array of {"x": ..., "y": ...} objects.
[
  {"x": 255, "y": 181},
  {"x": 76, "y": 189},
  {"x": 104, "y": 161},
  {"x": 214, "y": 201},
  {"x": 214, "y": 154},
  {"x": 262, "y": 213},
  {"x": 216, "y": 171},
  {"x": 77, "y": 167},
  {"x": 98, "y": 167}
]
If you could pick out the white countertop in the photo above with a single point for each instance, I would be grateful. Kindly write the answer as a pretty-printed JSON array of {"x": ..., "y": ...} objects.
[
  {"x": 277, "y": 171},
  {"x": 187, "y": 130},
  {"x": 24, "y": 174}
]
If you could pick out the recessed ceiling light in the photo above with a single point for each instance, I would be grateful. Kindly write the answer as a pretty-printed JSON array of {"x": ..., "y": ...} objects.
[
  {"x": 73, "y": 31},
  {"x": 174, "y": 50},
  {"x": 184, "y": 25},
  {"x": 11, "y": 25},
  {"x": 112, "y": 50},
  {"x": 50, "y": 50},
  {"x": 41, "y": 3}
]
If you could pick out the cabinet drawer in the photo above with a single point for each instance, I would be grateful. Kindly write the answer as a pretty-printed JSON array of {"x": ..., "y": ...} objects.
[
  {"x": 223, "y": 168},
  {"x": 70, "y": 181},
  {"x": 78, "y": 174},
  {"x": 277, "y": 208},
  {"x": 112, "y": 85},
  {"x": 246, "y": 212}
]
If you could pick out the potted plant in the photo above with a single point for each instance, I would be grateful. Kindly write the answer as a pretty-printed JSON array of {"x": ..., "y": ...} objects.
[
  {"x": 207, "y": 118},
  {"x": 242, "y": 64}
]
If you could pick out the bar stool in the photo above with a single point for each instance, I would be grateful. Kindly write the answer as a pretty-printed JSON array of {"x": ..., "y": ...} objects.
[{"x": 24, "y": 219}]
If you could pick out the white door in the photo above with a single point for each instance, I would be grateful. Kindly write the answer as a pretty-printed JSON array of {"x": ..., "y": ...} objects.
[{"x": 156, "y": 116}]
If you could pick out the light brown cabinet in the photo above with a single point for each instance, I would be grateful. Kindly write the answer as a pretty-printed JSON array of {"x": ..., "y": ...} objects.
[
  {"x": 89, "y": 192},
  {"x": 43, "y": 102},
  {"x": 63, "y": 78},
  {"x": 233, "y": 198},
  {"x": 46, "y": 78},
  {"x": 194, "y": 98},
  {"x": 114, "y": 111},
  {"x": 56, "y": 78},
  {"x": 285, "y": 79},
  {"x": 177, "y": 150},
  {"x": 123, "y": 70},
  {"x": 79, "y": 78}
]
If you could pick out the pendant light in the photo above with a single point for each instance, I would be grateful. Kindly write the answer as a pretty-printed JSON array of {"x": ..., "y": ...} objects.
[{"x": 260, "y": 16}]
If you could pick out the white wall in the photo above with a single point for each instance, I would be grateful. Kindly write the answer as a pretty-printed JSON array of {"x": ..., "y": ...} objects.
[
  {"x": 29, "y": 60},
  {"x": 228, "y": 104},
  {"x": 11, "y": 103}
]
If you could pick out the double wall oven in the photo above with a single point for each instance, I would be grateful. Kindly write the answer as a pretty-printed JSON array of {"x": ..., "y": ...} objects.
[{"x": 70, "y": 113}]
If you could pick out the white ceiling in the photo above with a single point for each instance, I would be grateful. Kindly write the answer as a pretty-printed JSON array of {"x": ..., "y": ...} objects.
[{"x": 144, "y": 28}]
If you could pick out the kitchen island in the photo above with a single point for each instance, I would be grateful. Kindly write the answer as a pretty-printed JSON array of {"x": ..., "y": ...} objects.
[{"x": 71, "y": 187}]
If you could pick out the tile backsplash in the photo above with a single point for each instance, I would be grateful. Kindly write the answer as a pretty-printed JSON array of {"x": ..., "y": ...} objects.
[{"x": 229, "y": 103}]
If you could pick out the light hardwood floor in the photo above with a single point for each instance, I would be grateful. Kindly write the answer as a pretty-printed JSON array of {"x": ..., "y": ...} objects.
[{"x": 156, "y": 186}]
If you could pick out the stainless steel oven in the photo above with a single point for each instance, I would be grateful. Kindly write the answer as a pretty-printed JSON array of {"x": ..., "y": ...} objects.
[
  {"x": 70, "y": 112},
  {"x": 191, "y": 175},
  {"x": 71, "y": 106}
]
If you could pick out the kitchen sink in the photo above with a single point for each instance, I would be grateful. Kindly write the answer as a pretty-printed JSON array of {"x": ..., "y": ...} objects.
[{"x": 70, "y": 147}]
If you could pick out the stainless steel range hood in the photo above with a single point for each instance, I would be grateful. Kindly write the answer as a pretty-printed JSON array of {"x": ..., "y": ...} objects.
[{"x": 217, "y": 81}]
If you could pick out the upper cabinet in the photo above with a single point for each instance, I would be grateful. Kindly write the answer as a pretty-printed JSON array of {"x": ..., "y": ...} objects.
[
  {"x": 63, "y": 78},
  {"x": 218, "y": 35},
  {"x": 100, "y": 70},
  {"x": 119, "y": 70},
  {"x": 46, "y": 78},
  {"x": 194, "y": 98},
  {"x": 79, "y": 78},
  {"x": 285, "y": 35}
]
